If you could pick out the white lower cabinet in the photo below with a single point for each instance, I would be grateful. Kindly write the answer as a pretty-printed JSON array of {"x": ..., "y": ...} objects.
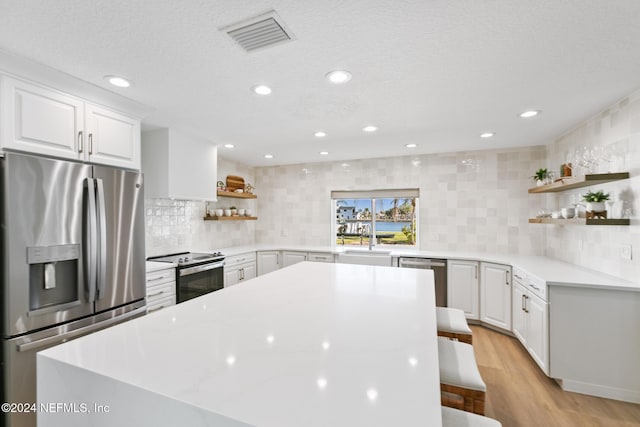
[
  {"x": 462, "y": 287},
  {"x": 268, "y": 261},
  {"x": 290, "y": 258},
  {"x": 530, "y": 320},
  {"x": 161, "y": 289},
  {"x": 238, "y": 268},
  {"x": 495, "y": 294}
]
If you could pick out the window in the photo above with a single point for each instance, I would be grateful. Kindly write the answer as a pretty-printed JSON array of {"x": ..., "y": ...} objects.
[{"x": 377, "y": 217}]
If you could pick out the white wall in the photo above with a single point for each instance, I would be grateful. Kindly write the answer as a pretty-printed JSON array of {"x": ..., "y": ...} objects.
[
  {"x": 469, "y": 201},
  {"x": 619, "y": 127}
]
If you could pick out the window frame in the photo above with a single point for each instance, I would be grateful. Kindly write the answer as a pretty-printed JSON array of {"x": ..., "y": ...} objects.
[{"x": 374, "y": 196}]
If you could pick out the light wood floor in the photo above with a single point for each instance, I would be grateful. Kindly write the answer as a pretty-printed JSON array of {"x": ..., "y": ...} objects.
[{"x": 520, "y": 395}]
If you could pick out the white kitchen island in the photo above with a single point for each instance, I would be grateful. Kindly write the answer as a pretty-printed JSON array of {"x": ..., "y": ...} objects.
[{"x": 313, "y": 344}]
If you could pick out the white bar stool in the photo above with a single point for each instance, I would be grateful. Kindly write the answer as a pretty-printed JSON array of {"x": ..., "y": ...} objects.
[
  {"x": 459, "y": 375},
  {"x": 452, "y": 323},
  {"x": 456, "y": 418}
]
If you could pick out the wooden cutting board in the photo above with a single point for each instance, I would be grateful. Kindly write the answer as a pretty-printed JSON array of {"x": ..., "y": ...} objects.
[{"x": 235, "y": 183}]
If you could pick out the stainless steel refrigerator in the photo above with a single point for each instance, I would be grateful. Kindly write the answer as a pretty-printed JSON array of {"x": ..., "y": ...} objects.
[{"x": 72, "y": 260}]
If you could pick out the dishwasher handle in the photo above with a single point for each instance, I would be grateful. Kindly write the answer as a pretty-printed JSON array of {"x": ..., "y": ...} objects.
[{"x": 424, "y": 263}]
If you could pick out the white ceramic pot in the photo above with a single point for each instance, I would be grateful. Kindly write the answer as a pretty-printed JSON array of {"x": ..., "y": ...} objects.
[
  {"x": 596, "y": 207},
  {"x": 568, "y": 213},
  {"x": 247, "y": 212},
  {"x": 227, "y": 212},
  {"x": 234, "y": 211},
  {"x": 241, "y": 212},
  {"x": 219, "y": 212}
]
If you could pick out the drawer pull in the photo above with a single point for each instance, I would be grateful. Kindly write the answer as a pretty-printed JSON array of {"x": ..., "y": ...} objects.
[
  {"x": 157, "y": 278},
  {"x": 156, "y": 308},
  {"x": 155, "y": 295}
]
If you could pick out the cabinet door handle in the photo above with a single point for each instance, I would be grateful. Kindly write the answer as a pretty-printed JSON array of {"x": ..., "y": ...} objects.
[
  {"x": 475, "y": 268},
  {"x": 522, "y": 303},
  {"x": 80, "y": 142},
  {"x": 506, "y": 273},
  {"x": 525, "y": 304},
  {"x": 90, "y": 143},
  {"x": 242, "y": 274},
  {"x": 155, "y": 294},
  {"x": 277, "y": 259}
]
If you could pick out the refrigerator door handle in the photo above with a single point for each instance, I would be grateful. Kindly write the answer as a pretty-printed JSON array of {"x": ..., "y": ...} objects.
[
  {"x": 35, "y": 345},
  {"x": 102, "y": 239},
  {"x": 90, "y": 238}
]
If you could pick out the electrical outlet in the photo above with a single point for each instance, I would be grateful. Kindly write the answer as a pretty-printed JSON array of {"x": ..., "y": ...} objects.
[{"x": 625, "y": 252}]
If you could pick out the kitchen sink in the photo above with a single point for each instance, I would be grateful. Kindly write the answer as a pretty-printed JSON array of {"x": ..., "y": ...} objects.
[{"x": 366, "y": 257}]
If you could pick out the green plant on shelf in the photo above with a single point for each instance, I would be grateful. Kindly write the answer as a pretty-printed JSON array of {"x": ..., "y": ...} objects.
[
  {"x": 540, "y": 175},
  {"x": 595, "y": 197}
]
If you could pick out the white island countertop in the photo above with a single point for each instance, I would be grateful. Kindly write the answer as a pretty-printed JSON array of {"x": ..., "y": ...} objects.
[{"x": 313, "y": 344}]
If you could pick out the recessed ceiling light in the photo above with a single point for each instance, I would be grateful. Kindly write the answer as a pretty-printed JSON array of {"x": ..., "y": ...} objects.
[
  {"x": 411, "y": 145},
  {"x": 487, "y": 135},
  {"x": 320, "y": 134},
  {"x": 261, "y": 89},
  {"x": 530, "y": 113},
  {"x": 338, "y": 76},
  {"x": 324, "y": 153},
  {"x": 229, "y": 145},
  {"x": 369, "y": 128},
  {"x": 268, "y": 156},
  {"x": 118, "y": 81}
]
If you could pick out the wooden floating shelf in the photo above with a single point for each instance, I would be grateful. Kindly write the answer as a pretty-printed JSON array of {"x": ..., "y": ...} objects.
[
  {"x": 236, "y": 195},
  {"x": 230, "y": 218},
  {"x": 579, "y": 221},
  {"x": 570, "y": 183}
]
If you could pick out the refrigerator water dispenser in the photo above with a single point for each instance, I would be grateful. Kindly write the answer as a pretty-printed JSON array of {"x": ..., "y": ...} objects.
[{"x": 53, "y": 278}]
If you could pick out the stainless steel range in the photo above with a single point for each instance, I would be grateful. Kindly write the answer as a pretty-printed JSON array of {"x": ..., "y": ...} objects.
[{"x": 196, "y": 274}]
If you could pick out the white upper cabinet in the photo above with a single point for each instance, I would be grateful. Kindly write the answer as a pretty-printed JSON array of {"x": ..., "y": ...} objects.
[
  {"x": 178, "y": 166},
  {"x": 41, "y": 120},
  {"x": 112, "y": 138}
]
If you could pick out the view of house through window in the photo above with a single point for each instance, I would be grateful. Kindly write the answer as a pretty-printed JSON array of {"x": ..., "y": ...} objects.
[{"x": 379, "y": 217}]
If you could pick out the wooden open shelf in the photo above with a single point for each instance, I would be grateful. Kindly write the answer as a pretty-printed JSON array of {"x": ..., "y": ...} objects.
[
  {"x": 230, "y": 218},
  {"x": 237, "y": 195},
  {"x": 579, "y": 221},
  {"x": 570, "y": 183}
]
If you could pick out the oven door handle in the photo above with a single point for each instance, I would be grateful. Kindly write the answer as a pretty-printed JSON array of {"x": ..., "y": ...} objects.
[{"x": 200, "y": 268}]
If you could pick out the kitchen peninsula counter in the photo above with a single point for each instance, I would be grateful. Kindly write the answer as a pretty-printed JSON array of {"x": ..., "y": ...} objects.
[{"x": 314, "y": 344}]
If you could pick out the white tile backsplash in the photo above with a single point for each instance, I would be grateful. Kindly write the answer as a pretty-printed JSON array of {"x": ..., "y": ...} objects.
[
  {"x": 619, "y": 128},
  {"x": 468, "y": 201}
]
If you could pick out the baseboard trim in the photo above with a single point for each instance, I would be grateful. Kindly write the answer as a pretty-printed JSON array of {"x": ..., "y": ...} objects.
[{"x": 632, "y": 396}]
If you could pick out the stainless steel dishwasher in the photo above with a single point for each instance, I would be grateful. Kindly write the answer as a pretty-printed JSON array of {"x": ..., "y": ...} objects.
[{"x": 439, "y": 267}]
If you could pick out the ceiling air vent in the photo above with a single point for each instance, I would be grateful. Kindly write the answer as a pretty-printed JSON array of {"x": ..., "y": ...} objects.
[{"x": 257, "y": 33}]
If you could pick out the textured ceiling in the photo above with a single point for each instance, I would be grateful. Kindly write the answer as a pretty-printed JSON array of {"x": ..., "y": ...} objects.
[{"x": 432, "y": 72}]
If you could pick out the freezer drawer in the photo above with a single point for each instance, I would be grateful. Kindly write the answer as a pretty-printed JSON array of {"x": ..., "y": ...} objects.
[{"x": 19, "y": 357}]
